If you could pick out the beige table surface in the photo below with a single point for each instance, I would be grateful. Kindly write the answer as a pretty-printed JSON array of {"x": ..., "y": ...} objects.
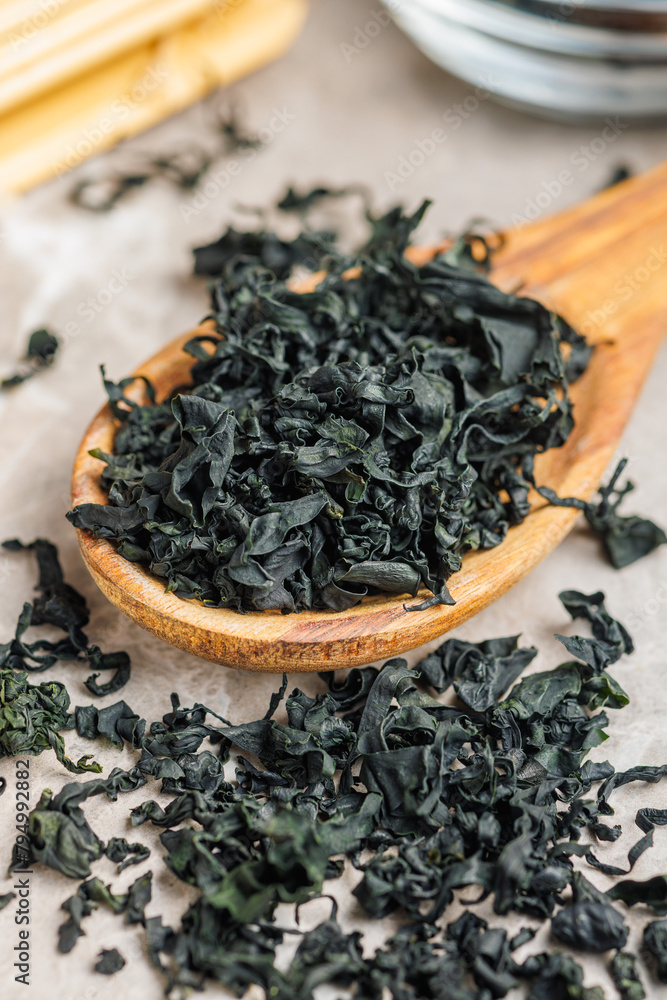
[{"x": 344, "y": 117}]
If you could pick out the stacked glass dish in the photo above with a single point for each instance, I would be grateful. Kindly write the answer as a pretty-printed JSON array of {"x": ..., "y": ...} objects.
[{"x": 555, "y": 57}]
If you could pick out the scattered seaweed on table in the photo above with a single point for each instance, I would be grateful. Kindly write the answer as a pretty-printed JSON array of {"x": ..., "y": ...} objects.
[
  {"x": 491, "y": 791},
  {"x": 32, "y": 716},
  {"x": 655, "y": 947},
  {"x": 109, "y": 961},
  {"x": 184, "y": 169},
  {"x": 625, "y": 539},
  {"x": 40, "y": 354},
  {"x": 626, "y": 977},
  {"x": 302, "y": 202},
  {"x": 62, "y": 607},
  {"x": 88, "y": 898}
]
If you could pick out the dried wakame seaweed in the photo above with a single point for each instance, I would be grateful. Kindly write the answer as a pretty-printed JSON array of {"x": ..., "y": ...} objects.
[
  {"x": 355, "y": 439},
  {"x": 32, "y": 716},
  {"x": 184, "y": 168},
  {"x": 109, "y": 961},
  {"x": 655, "y": 945},
  {"x": 625, "y": 976},
  {"x": 624, "y": 538},
  {"x": 423, "y": 798},
  {"x": 40, "y": 354},
  {"x": 61, "y": 606}
]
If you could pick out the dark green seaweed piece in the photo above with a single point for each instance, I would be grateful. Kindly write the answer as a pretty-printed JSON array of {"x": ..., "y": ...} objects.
[
  {"x": 624, "y": 538},
  {"x": 61, "y": 606},
  {"x": 123, "y": 668},
  {"x": 655, "y": 944},
  {"x": 610, "y": 639},
  {"x": 280, "y": 257},
  {"x": 101, "y": 195},
  {"x": 621, "y": 172},
  {"x": 118, "y": 850},
  {"x": 40, "y": 354},
  {"x": 590, "y": 926},
  {"x": 32, "y": 717},
  {"x": 487, "y": 953},
  {"x": 71, "y": 930},
  {"x": 561, "y": 978},
  {"x": 57, "y": 604},
  {"x": 109, "y": 961},
  {"x": 60, "y": 835},
  {"x": 210, "y": 944},
  {"x": 85, "y": 901},
  {"x": 138, "y": 897},
  {"x": 295, "y": 201},
  {"x": 6, "y": 898},
  {"x": 88, "y": 897},
  {"x": 626, "y": 977},
  {"x": 184, "y": 168},
  {"x": 234, "y": 133},
  {"x": 652, "y": 893},
  {"x": 480, "y": 672},
  {"x": 325, "y": 955},
  {"x": 115, "y": 723}
]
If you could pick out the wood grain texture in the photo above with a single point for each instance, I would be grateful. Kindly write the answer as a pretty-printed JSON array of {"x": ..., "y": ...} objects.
[
  {"x": 603, "y": 265},
  {"x": 74, "y": 39},
  {"x": 46, "y": 135}
]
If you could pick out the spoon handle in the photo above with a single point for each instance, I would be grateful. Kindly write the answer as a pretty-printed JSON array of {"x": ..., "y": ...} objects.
[{"x": 603, "y": 263}]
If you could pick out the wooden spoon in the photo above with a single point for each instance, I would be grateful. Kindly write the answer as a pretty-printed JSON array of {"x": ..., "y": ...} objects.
[{"x": 603, "y": 265}]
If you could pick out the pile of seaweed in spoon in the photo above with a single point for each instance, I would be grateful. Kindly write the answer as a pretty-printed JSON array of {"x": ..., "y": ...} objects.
[
  {"x": 354, "y": 439},
  {"x": 414, "y": 784}
]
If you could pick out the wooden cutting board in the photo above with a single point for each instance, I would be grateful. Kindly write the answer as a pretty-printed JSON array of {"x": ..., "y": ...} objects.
[{"x": 42, "y": 138}]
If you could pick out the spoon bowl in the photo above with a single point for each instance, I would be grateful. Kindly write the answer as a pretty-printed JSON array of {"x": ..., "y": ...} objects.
[{"x": 603, "y": 266}]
